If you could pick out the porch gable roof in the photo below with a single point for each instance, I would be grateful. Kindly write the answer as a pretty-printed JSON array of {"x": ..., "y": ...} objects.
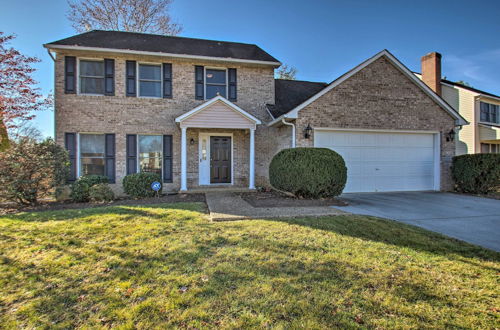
[{"x": 218, "y": 112}]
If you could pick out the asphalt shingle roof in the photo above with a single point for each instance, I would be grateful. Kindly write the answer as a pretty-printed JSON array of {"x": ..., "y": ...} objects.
[
  {"x": 291, "y": 93},
  {"x": 166, "y": 44}
]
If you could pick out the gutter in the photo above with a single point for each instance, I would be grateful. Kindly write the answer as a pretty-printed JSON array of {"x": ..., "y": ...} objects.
[{"x": 293, "y": 130}]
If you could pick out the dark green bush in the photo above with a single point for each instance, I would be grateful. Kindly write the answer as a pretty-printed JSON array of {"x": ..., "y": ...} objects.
[
  {"x": 80, "y": 189},
  {"x": 477, "y": 173},
  {"x": 308, "y": 172},
  {"x": 101, "y": 192},
  {"x": 138, "y": 185}
]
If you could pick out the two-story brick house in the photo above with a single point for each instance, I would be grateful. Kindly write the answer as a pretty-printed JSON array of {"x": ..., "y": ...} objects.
[{"x": 204, "y": 113}]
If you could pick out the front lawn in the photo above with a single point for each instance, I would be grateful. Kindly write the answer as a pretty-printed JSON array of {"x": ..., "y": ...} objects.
[{"x": 167, "y": 265}]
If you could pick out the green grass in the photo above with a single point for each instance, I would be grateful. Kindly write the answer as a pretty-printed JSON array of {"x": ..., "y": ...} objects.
[{"x": 126, "y": 266}]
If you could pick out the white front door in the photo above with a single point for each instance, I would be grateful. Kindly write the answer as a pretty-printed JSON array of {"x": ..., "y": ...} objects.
[{"x": 385, "y": 161}]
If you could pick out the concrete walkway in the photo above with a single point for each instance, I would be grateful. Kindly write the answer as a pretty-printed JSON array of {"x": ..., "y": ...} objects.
[
  {"x": 225, "y": 206},
  {"x": 472, "y": 219}
]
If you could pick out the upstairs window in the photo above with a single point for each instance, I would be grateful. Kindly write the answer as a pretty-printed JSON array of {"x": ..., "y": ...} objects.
[
  {"x": 215, "y": 82},
  {"x": 489, "y": 113},
  {"x": 91, "y": 77},
  {"x": 150, "y": 80}
]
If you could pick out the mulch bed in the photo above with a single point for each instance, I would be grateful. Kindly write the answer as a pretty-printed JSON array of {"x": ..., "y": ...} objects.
[
  {"x": 53, "y": 205},
  {"x": 277, "y": 199}
]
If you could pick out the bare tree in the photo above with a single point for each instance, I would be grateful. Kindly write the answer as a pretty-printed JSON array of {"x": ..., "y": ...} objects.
[
  {"x": 147, "y": 16},
  {"x": 286, "y": 72}
]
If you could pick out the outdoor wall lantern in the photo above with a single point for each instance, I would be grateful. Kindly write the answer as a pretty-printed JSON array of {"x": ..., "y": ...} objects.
[
  {"x": 191, "y": 142},
  {"x": 307, "y": 131},
  {"x": 450, "y": 136}
]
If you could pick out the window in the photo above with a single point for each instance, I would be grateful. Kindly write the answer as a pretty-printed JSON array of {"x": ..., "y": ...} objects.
[
  {"x": 487, "y": 148},
  {"x": 92, "y": 156},
  {"x": 92, "y": 77},
  {"x": 489, "y": 113},
  {"x": 215, "y": 82},
  {"x": 150, "y": 80},
  {"x": 150, "y": 153}
]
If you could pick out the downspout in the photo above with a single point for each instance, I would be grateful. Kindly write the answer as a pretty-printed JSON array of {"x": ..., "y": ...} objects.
[
  {"x": 55, "y": 124},
  {"x": 293, "y": 130}
]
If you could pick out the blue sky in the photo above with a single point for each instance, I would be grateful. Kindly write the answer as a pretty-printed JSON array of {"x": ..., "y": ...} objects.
[{"x": 322, "y": 39}]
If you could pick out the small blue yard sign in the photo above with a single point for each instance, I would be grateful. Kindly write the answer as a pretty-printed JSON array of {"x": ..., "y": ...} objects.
[{"x": 156, "y": 186}]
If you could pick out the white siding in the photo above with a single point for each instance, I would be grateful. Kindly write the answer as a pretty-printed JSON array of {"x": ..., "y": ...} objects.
[{"x": 218, "y": 115}]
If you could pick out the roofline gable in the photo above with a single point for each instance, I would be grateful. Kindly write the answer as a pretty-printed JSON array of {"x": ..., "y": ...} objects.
[
  {"x": 172, "y": 55},
  {"x": 293, "y": 114},
  {"x": 204, "y": 105}
]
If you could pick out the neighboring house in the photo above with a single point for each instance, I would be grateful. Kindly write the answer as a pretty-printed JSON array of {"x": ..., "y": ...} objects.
[
  {"x": 479, "y": 108},
  {"x": 207, "y": 113}
]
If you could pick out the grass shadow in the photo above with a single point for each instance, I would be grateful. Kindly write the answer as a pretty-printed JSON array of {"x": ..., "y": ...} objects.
[{"x": 398, "y": 234}]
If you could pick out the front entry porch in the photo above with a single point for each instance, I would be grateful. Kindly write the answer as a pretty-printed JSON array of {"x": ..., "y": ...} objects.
[{"x": 217, "y": 146}]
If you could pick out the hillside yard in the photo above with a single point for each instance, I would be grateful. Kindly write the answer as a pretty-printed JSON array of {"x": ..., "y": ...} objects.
[{"x": 168, "y": 265}]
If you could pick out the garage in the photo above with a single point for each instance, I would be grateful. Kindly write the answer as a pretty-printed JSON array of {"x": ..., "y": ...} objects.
[{"x": 385, "y": 160}]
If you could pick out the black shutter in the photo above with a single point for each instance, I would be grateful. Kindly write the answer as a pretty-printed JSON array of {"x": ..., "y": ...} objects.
[
  {"x": 167, "y": 159},
  {"x": 232, "y": 84},
  {"x": 109, "y": 78},
  {"x": 70, "y": 144},
  {"x": 110, "y": 157},
  {"x": 69, "y": 75},
  {"x": 199, "y": 83},
  {"x": 131, "y": 154},
  {"x": 167, "y": 80},
  {"x": 131, "y": 78}
]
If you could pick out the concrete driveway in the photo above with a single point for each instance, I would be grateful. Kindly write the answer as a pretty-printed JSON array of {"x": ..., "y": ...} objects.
[{"x": 472, "y": 219}]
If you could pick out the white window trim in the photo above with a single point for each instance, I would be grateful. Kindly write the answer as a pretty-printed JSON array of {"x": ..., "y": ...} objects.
[
  {"x": 138, "y": 160},
  {"x": 77, "y": 72},
  {"x": 489, "y": 122},
  {"x": 138, "y": 80},
  {"x": 205, "y": 79},
  {"x": 78, "y": 151}
]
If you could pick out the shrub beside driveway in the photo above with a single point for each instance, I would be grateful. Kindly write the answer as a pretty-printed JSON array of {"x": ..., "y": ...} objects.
[{"x": 167, "y": 266}]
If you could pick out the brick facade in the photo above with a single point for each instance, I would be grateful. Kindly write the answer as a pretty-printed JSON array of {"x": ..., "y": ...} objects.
[
  {"x": 380, "y": 97},
  {"x": 136, "y": 115},
  {"x": 377, "y": 97}
]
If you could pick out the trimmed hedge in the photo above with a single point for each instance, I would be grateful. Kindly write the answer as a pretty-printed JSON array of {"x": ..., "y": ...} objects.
[
  {"x": 477, "y": 173},
  {"x": 101, "y": 192},
  {"x": 80, "y": 189},
  {"x": 308, "y": 172},
  {"x": 138, "y": 185}
]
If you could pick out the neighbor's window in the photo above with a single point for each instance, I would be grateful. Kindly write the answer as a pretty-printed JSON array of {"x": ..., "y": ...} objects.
[
  {"x": 150, "y": 153},
  {"x": 91, "y": 77},
  {"x": 487, "y": 148},
  {"x": 150, "y": 80},
  {"x": 489, "y": 113},
  {"x": 215, "y": 81},
  {"x": 92, "y": 154}
]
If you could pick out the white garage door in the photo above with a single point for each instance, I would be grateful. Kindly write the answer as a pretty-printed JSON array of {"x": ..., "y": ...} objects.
[{"x": 384, "y": 161}]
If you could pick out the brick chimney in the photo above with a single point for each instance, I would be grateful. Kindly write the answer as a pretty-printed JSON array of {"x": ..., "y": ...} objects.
[{"x": 431, "y": 71}]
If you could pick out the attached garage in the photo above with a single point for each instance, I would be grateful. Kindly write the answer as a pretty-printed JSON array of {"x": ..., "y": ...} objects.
[{"x": 385, "y": 160}]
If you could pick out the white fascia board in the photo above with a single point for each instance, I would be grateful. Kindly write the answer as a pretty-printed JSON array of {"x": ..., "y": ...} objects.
[
  {"x": 140, "y": 52},
  {"x": 212, "y": 101},
  {"x": 459, "y": 119}
]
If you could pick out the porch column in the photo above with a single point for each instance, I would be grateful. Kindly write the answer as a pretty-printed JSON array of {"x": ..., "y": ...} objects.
[
  {"x": 183, "y": 159},
  {"x": 251, "y": 179}
]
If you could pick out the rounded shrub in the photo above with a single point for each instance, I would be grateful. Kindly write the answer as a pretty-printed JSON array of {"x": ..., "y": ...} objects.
[
  {"x": 477, "y": 173},
  {"x": 138, "y": 185},
  {"x": 308, "y": 172},
  {"x": 101, "y": 192},
  {"x": 80, "y": 189}
]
